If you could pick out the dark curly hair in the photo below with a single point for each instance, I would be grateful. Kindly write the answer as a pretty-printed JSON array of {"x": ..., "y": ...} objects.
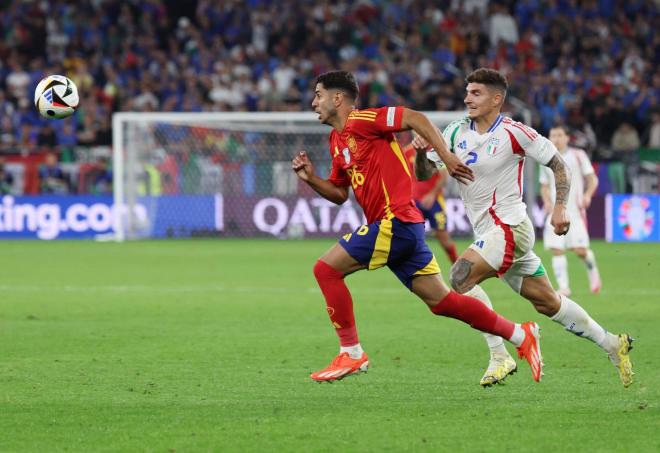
[{"x": 340, "y": 80}]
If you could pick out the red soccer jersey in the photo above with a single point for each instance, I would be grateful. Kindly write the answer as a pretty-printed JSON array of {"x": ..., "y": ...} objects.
[
  {"x": 420, "y": 188},
  {"x": 367, "y": 157}
]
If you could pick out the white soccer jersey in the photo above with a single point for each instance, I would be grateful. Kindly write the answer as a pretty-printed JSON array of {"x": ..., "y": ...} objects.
[
  {"x": 580, "y": 166},
  {"x": 496, "y": 158}
]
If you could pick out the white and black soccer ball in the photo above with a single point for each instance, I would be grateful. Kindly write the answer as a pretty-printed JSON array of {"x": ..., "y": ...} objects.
[{"x": 56, "y": 96}]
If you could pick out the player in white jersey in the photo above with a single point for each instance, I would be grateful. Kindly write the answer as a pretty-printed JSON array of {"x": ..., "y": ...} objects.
[
  {"x": 579, "y": 199},
  {"x": 495, "y": 148}
]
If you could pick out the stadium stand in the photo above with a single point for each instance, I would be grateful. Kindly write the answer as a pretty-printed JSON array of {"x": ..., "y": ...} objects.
[{"x": 590, "y": 64}]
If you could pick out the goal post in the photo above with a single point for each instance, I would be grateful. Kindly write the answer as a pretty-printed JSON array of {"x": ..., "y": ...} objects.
[{"x": 183, "y": 175}]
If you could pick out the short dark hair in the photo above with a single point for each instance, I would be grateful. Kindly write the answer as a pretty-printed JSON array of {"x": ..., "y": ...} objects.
[
  {"x": 340, "y": 80},
  {"x": 488, "y": 77},
  {"x": 561, "y": 126}
]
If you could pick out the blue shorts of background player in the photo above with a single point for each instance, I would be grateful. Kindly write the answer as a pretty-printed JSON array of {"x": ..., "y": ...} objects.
[
  {"x": 395, "y": 244},
  {"x": 435, "y": 214}
]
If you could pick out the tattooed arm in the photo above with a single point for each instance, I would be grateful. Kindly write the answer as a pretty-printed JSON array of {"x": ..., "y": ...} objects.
[
  {"x": 427, "y": 134},
  {"x": 562, "y": 178},
  {"x": 559, "y": 219},
  {"x": 424, "y": 168}
]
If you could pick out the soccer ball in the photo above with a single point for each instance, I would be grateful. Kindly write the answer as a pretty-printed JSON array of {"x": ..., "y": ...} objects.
[{"x": 56, "y": 96}]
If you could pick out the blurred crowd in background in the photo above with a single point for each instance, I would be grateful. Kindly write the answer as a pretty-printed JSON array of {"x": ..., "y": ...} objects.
[{"x": 591, "y": 64}]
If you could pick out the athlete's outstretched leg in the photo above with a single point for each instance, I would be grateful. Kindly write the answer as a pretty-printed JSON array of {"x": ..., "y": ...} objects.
[
  {"x": 338, "y": 302},
  {"x": 444, "y": 302},
  {"x": 576, "y": 320},
  {"x": 469, "y": 270},
  {"x": 330, "y": 271},
  {"x": 495, "y": 343},
  {"x": 500, "y": 364}
]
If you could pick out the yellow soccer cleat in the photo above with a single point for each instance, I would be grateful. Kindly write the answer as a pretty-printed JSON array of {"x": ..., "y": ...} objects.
[
  {"x": 621, "y": 359},
  {"x": 499, "y": 367}
]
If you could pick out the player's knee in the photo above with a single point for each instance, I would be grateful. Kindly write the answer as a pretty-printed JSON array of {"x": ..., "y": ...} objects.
[
  {"x": 459, "y": 276},
  {"x": 581, "y": 252},
  {"x": 452, "y": 278}
]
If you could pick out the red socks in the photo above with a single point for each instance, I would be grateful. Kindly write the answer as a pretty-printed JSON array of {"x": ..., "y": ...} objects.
[
  {"x": 339, "y": 302},
  {"x": 451, "y": 253},
  {"x": 473, "y": 312},
  {"x": 458, "y": 306}
]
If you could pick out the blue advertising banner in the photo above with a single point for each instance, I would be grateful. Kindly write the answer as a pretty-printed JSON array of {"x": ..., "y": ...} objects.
[
  {"x": 632, "y": 218},
  {"x": 52, "y": 216},
  {"x": 85, "y": 216}
]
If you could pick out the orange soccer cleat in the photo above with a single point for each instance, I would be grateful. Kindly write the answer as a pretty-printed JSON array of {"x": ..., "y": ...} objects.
[
  {"x": 342, "y": 365},
  {"x": 530, "y": 349}
]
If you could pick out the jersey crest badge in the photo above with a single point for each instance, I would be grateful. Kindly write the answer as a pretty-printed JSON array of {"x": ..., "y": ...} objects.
[
  {"x": 492, "y": 146},
  {"x": 352, "y": 144}
]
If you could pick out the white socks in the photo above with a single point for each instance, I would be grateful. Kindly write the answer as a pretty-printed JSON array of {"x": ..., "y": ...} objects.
[
  {"x": 560, "y": 268},
  {"x": 354, "y": 352},
  {"x": 495, "y": 343},
  {"x": 577, "y": 321},
  {"x": 518, "y": 335},
  {"x": 590, "y": 260}
]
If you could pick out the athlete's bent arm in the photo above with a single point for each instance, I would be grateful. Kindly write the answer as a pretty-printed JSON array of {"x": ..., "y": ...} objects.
[
  {"x": 592, "y": 185},
  {"x": 559, "y": 219},
  {"x": 418, "y": 122},
  {"x": 547, "y": 199},
  {"x": 305, "y": 171},
  {"x": 423, "y": 167}
]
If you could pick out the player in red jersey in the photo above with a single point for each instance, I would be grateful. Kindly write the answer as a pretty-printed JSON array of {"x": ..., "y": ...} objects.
[
  {"x": 429, "y": 198},
  {"x": 367, "y": 157}
]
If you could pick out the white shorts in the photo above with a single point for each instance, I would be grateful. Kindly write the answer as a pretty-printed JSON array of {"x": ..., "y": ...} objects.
[
  {"x": 509, "y": 250},
  {"x": 577, "y": 236}
]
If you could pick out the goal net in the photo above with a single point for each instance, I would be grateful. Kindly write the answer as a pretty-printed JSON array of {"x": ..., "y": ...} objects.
[{"x": 183, "y": 175}]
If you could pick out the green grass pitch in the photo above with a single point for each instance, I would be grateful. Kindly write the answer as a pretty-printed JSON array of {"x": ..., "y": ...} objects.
[{"x": 208, "y": 346}]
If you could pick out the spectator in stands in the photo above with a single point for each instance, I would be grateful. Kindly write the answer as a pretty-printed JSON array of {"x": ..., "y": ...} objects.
[
  {"x": 87, "y": 131},
  {"x": 46, "y": 137},
  {"x": 67, "y": 139},
  {"x": 101, "y": 177},
  {"x": 625, "y": 143},
  {"x": 27, "y": 138},
  {"x": 104, "y": 132},
  {"x": 502, "y": 26},
  {"x": 7, "y": 136},
  {"x": 6, "y": 179},
  {"x": 17, "y": 80},
  {"x": 568, "y": 61},
  {"x": 52, "y": 179},
  {"x": 149, "y": 180},
  {"x": 625, "y": 139},
  {"x": 6, "y": 107},
  {"x": 652, "y": 134}
]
